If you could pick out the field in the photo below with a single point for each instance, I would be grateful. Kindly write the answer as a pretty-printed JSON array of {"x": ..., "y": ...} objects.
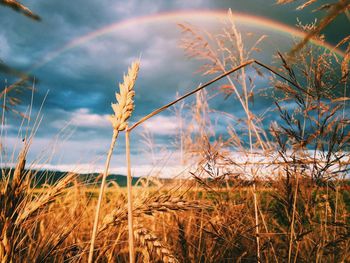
[
  {"x": 271, "y": 187},
  {"x": 185, "y": 223}
]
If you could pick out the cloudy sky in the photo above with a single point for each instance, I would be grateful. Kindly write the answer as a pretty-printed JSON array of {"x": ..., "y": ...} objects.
[{"x": 80, "y": 50}]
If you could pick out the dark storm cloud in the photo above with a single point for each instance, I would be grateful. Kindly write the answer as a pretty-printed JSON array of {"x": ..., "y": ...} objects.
[
  {"x": 82, "y": 81},
  {"x": 63, "y": 21}
]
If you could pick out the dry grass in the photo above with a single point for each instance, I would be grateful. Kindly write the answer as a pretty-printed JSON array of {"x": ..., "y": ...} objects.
[
  {"x": 17, "y": 6},
  {"x": 22, "y": 212},
  {"x": 227, "y": 211},
  {"x": 209, "y": 222},
  {"x": 333, "y": 11}
]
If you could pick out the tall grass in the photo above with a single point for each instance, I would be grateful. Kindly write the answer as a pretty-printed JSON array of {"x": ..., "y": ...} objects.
[{"x": 227, "y": 211}]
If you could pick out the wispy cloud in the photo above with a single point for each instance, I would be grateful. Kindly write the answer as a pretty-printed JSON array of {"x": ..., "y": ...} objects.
[
  {"x": 84, "y": 118},
  {"x": 4, "y": 47},
  {"x": 129, "y": 8},
  {"x": 81, "y": 118},
  {"x": 163, "y": 125}
]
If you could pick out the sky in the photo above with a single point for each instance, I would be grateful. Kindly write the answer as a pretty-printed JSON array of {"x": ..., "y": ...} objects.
[{"x": 80, "y": 50}]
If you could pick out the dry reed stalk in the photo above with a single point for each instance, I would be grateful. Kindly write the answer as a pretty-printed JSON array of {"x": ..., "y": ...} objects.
[
  {"x": 257, "y": 232},
  {"x": 189, "y": 94},
  {"x": 225, "y": 74},
  {"x": 17, "y": 6},
  {"x": 122, "y": 112},
  {"x": 195, "y": 50},
  {"x": 269, "y": 239},
  {"x": 251, "y": 125}
]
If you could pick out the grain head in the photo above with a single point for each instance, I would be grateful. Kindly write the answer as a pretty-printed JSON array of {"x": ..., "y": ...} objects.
[{"x": 125, "y": 104}]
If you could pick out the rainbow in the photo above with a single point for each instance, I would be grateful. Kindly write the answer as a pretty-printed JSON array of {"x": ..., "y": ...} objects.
[{"x": 180, "y": 16}]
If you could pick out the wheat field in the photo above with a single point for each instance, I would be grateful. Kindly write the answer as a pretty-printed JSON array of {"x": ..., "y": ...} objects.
[{"x": 286, "y": 199}]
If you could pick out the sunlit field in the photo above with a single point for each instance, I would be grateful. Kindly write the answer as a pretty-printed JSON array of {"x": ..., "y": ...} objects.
[{"x": 249, "y": 163}]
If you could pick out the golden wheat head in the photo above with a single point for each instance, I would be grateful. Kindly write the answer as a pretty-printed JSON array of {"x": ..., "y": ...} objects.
[
  {"x": 125, "y": 103},
  {"x": 154, "y": 246}
]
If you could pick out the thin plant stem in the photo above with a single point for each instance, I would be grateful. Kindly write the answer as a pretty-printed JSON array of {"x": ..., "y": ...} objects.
[
  {"x": 100, "y": 197},
  {"x": 256, "y": 223},
  {"x": 129, "y": 185},
  {"x": 293, "y": 219},
  {"x": 335, "y": 217},
  {"x": 266, "y": 229},
  {"x": 250, "y": 124},
  {"x": 189, "y": 94},
  {"x": 249, "y": 62},
  {"x": 2, "y": 142}
]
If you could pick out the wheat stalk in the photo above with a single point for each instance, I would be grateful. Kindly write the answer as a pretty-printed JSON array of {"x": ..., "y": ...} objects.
[
  {"x": 129, "y": 186},
  {"x": 122, "y": 112},
  {"x": 41, "y": 202}
]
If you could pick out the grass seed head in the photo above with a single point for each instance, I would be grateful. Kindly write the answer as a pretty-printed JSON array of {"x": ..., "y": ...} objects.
[{"x": 125, "y": 103}]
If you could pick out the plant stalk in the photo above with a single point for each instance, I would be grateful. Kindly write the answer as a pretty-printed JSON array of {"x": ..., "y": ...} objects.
[
  {"x": 190, "y": 93},
  {"x": 100, "y": 197},
  {"x": 129, "y": 185},
  {"x": 257, "y": 233},
  {"x": 293, "y": 220},
  {"x": 249, "y": 62}
]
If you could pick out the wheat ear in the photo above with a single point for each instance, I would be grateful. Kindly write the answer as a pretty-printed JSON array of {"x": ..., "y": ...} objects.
[
  {"x": 153, "y": 245},
  {"x": 122, "y": 112},
  {"x": 150, "y": 206}
]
